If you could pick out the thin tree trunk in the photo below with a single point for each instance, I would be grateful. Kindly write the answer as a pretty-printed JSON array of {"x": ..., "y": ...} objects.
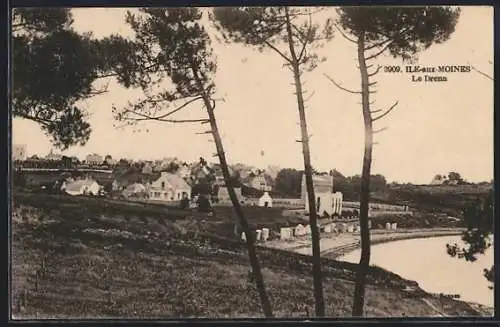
[
  {"x": 250, "y": 240},
  {"x": 313, "y": 222},
  {"x": 364, "y": 262}
]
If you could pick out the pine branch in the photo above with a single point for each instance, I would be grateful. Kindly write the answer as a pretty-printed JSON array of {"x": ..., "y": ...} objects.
[
  {"x": 379, "y": 130},
  {"x": 341, "y": 87},
  {"x": 376, "y": 45},
  {"x": 181, "y": 107},
  {"x": 375, "y": 72},
  {"x": 309, "y": 97},
  {"x": 279, "y": 52},
  {"x": 386, "y": 112},
  {"x": 379, "y": 52},
  {"x": 344, "y": 35},
  {"x": 482, "y": 73},
  {"x": 145, "y": 117}
]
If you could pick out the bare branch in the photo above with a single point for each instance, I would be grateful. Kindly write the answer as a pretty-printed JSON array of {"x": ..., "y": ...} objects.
[
  {"x": 386, "y": 113},
  {"x": 372, "y": 83},
  {"x": 278, "y": 51},
  {"x": 344, "y": 35},
  {"x": 145, "y": 117},
  {"x": 375, "y": 111},
  {"x": 379, "y": 130},
  {"x": 375, "y": 72},
  {"x": 180, "y": 107},
  {"x": 309, "y": 97},
  {"x": 341, "y": 87},
  {"x": 379, "y": 52},
  {"x": 482, "y": 73},
  {"x": 206, "y": 132},
  {"x": 376, "y": 45}
]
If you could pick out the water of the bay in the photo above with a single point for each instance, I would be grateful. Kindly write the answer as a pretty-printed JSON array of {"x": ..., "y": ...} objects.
[{"x": 426, "y": 262}]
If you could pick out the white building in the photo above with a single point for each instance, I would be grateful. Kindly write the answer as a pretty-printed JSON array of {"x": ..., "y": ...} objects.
[
  {"x": 81, "y": 187},
  {"x": 169, "y": 187},
  {"x": 337, "y": 200},
  {"x": 19, "y": 152},
  {"x": 94, "y": 159},
  {"x": 183, "y": 171},
  {"x": 51, "y": 156},
  {"x": 260, "y": 182},
  {"x": 136, "y": 189},
  {"x": 266, "y": 200},
  {"x": 326, "y": 200}
]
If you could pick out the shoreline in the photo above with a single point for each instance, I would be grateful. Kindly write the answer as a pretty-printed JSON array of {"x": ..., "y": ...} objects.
[
  {"x": 336, "y": 245},
  {"x": 339, "y": 251}
]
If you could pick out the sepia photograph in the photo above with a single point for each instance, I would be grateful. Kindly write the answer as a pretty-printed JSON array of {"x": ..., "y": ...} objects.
[{"x": 172, "y": 163}]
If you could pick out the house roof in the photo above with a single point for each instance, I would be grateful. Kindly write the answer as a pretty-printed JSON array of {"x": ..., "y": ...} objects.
[
  {"x": 135, "y": 188},
  {"x": 79, "y": 184},
  {"x": 134, "y": 177},
  {"x": 175, "y": 181}
]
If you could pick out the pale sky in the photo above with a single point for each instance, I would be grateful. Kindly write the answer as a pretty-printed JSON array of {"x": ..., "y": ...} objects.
[{"x": 437, "y": 127}]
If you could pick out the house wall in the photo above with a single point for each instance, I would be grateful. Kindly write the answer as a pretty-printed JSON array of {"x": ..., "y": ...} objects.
[
  {"x": 325, "y": 203},
  {"x": 19, "y": 152},
  {"x": 161, "y": 190}
]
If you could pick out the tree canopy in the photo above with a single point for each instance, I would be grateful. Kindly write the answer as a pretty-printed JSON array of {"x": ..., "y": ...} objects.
[
  {"x": 54, "y": 67},
  {"x": 404, "y": 31}
]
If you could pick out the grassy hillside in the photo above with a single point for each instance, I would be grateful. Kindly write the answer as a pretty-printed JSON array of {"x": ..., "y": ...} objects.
[
  {"x": 77, "y": 261},
  {"x": 450, "y": 199}
]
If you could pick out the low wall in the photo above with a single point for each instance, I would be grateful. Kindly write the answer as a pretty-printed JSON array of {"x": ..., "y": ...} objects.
[
  {"x": 390, "y": 237},
  {"x": 377, "y": 213}
]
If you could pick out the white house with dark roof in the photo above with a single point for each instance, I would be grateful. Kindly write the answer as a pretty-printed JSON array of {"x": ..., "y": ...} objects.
[
  {"x": 169, "y": 187},
  {"x": 81, "y": 187}
]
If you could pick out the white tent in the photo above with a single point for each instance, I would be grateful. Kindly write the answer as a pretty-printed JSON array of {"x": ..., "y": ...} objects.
[{"x": 266, "y": 200}]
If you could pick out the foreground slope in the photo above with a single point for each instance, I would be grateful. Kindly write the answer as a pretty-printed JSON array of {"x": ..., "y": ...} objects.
[{"x": 73, "y": 262}]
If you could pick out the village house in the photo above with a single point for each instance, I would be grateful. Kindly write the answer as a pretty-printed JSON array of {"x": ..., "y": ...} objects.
[
  {"x": 260, "y": 182},
  {"x": 216, "y": 171},
  {"x": 273, "y": 171},
  {"x": 81, "y": 187},
  {"x": 94, "y": 159},
  {"x": 109, "y": 160},
  {"x": 147, "y": 168},
  {"x": 438, "y": 180},
  {"x": 122, "y": 181},
  {"x": 199, "y": 172},
  {"x": 183, "y": 171},
  {"x": 19, "y": 152},
  {"x": 323, "y": 190},
  {"x": 223, "y": 195},
  {"x": 51, "y": 156},
  {"x": 266, "y": 200},
  {"x": 169, "y": 187},
  {"x": 164, "y": 163},
  {"x": 136, "y": 190}
]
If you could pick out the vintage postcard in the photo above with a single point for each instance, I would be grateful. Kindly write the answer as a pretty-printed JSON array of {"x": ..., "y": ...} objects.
[{"x": 251, "y": 162}]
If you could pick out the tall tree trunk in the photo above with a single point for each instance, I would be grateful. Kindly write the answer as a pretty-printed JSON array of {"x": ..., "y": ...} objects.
[
  {"x": 313, "y": 222},
  {"x": 250, "y": 240},
  {"x": 364, "y": 262}
]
